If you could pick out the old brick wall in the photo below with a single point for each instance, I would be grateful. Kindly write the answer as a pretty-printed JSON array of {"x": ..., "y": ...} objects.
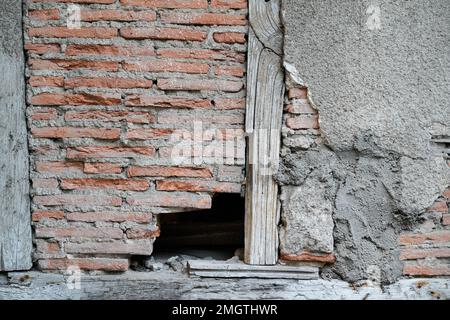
[{"x": 109, "y": 102}]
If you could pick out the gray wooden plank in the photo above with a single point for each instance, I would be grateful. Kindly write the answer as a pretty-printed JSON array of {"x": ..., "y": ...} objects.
[{"x": 15, "y": 224}]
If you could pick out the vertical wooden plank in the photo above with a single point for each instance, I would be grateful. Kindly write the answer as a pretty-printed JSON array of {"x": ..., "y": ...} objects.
[
  {"x": 15, "y": 224},
  {"x": 265, "y": 92}
]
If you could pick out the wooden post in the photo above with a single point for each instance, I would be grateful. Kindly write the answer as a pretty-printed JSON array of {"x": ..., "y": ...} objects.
[
  {"x": 15, "y": 224},
  {"x": 265, "y": 93}
]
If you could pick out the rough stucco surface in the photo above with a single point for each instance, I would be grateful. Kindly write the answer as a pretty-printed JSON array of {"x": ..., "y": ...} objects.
[{"x": 381, "y": 90}]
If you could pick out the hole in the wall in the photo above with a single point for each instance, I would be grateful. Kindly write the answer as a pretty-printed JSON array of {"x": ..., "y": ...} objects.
[{"x": 216, "y": 233}]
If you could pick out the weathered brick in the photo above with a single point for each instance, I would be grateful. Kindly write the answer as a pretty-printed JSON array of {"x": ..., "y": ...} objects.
[
  {"x": 203, "y": 18},
  {"x": 198, "y": 186},
  {"x": 202, "y": 54},
  {"x": 229, "y": 37},
  {"x": 102, "y": 167},
  {"x": 45, "y": 183},
  {"x": 300, "y": 108},
  {"x": 59, "y": 167},
  {"x": 117, "y": 15},
  {"x": 78, "y": 1},
  {"x": 76, "y": 99},
  {"x": 43, "y": 81},
  {"x": 47, "y": 247},
  {"x": 172, "y": 199},
  {"x": 160, "y": 171},
  {"x": 146, "y": 134},
  {"x": 166, "y": 102},
  {"x": 108, "y": 152},
  {"x": 107, "y": 82},
  {"x": 439, "y": 206},
  {"x": 420, "y": 238},
  {"x": 229, "y": 4},
  {"x": 108, "y": 50},
  {"x": 234, "y": 71},
  {"x": 44, "y": 14},
  {"x": 308, "y": 257},
  {"x": 75, "y": 132},
  {"x": 44, "y": 114},
  {"x": 446, "y": 219},
  {"x": 171, "y": 4},
  {"x": 109, "y": 216},
  {"x": 78, "y": 232},
  {"x": 420, "y": 270},
  {"x": 138, "y": 247},
  {"x": 63, "y": 32},
  {"x": 303, "y": 122},
  {"x": 447, "y": 193},
  {"x": 166, "y": 66},
  {"x": 113, "y": 116},
  {"x": 163, "y": 34},
  {"x": 42, "y": 48},
  {"x": 412, "y": 254},
  {"x": 142, "y": 233},
  {"x": 39, "y": 215},
  {"x": 199, "y": 85},
  {"x": 59, "y": 64},
  {"x": 77, "y": 199},
  {"x": 297, "y": 93},
  {"x": 105, "y": 264},
  {"x": 222, "y": 118},
  {"x": 91, "y": 183},
  {"x": 229, "y": 104}
]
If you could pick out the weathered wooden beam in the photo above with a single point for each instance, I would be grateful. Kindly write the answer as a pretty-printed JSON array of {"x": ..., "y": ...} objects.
[
  {"x": 15, "y": 224},
  {"x": 265, "y": 92}
]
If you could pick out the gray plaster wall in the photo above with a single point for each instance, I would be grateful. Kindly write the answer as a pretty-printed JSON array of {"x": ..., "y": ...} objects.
[
  {"x": 15, "y": 226},
  {"x": 378, "y": 71}
]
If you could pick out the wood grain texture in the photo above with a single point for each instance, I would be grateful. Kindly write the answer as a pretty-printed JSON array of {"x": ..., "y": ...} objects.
[
  {"x": 15, "y": 224},
  {"x": 265, "y": 83}
]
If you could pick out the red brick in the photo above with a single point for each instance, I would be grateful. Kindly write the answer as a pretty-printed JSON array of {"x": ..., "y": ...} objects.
[
  {"x": 76, "y": 99},
  {"x": 229, "y": 104},
  {"x": 202, "y": 54},
  {"x": 198, "y": 186},
  {"x": 229, "y": 37},
  {"x": 199, "y": 85},
  {"x": 418, "y": 270},
  {"x": 446, "y": 219},
  {"x": 439, "y": 206},
  {"x": 74, "y": 132},
  {"x": 113, "y": 116},
  {"x": 309, "y": 257},
  {"x": 300, "y": 108},
  {"x": 146, "y": 134},
  {"x": 109, "y": 216},
  {"x": 447, "y": 193},
  {"x": 58, "y": 167},
  {"x": 102, "y": 167},
  {"x": 142, "y": 233},
  {"x": 203, "y": 18},
  {"x": 172, "y": 199},
  {"x": 39, "y": 215},
  {"x": 109, "y": 152},
  {"x": 159, "y": 171},
  {"x": 78, "y": 232},
  {"x": 119, "y": 184},
  {"x": 298, "y": 93},
  {"x": 78, "y": 1},
  {"x": 39, "y": 48},
  {"x": 108, "y": 50},
  {"x": 63, "y": 32},
  {"x": 138, "y": 247},
  {"x": 104, "y": 264},
  {"x": 234, "y": 71},
  {"x": 163, "y": 34},
  {"x": 44, "y": 114},
  {"x": 117, "y": 15},
  {"x": 229, "y": 4},
  {"x": 47, "y": 247},
  {"x": 166, "y": 66},
  {"x": 45, "y": 183},
  {"x": 171, "y": 4},
  {"x": 432, "y": 237},
  {"x": 44, "y": 14},
  {"x": 108, "y": 82},
  {"x": 303, "y": 122},
  {"x": 166, "y": 102},
  {"x": 412, "y": 254},
  {"x": 59, "y": 64},
  {"x": 43, "y": 81},
  {"x": 78, "y": 199}
]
